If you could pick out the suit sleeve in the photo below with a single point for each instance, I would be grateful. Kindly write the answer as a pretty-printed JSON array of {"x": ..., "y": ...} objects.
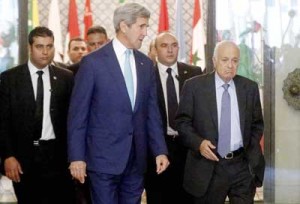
[
  {"x": 154, "y": 123},
  {"x": 257, "y": 125},
  {"x": 79, "y": 112},
  {"x": 6, "y": 147},
  {"x": 184, "y": 117},
  {"x": 254, "y": 151}
]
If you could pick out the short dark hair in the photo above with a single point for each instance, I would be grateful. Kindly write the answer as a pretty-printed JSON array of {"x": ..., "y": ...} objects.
[
  {"x": 96, "y": 29},
  {"x": 75, "y": 39},
  {"x": 39, "y": 31}
]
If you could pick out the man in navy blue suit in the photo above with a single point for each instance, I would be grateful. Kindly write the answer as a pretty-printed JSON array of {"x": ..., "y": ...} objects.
[{"x": 114, "y": 120}]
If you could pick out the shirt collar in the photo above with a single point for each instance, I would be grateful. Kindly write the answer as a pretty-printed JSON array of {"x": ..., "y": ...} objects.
[
  {"x": 220, "y": 82},
  {"x": 33, "y": 69},
  {"x": 163, "y": 68},
  {"x": 118, "y": 47}
]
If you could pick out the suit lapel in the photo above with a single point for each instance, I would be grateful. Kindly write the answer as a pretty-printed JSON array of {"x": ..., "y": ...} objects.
[
  {"x": 182, "y": 72},
  {"x": 242, "y": 102},
  {"x": 25, "y": 84},
  {"x": 211, "y": 98},
  {"x": 160, "y": 94},
  {"x": 54, "y": 85},
  {"x": 114, "y": 68},
  {"x": 139, "y": 64}
]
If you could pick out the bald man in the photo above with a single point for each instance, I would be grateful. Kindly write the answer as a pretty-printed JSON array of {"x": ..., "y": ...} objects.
[
  {"x": 167, "y": 187},
  {"x": 220, "y": 121}
]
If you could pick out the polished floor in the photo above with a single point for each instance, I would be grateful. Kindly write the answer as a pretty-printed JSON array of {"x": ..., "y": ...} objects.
[
  {"x": 258, "y": 197},
  {"x": 6, "y": 185}
]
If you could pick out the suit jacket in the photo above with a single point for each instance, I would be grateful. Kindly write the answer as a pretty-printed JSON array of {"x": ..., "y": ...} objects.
[
  {"x": 185, "y": 71},
  {"x": 102, "y": 125},
  {"x": 17, "y": 106},
  {"x": 74, "y": 68},
  {"x": 60, "y": 64},
  {"x": 197, "y": 120}
]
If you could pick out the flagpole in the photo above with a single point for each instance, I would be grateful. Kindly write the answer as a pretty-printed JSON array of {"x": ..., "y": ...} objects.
[{"x": 55, "y": 26}]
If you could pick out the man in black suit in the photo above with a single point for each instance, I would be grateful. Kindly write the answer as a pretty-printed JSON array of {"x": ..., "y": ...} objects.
[
  {"x": 167, "y": 187},
  {"x": 34, "y": 99},
  {"x": 96, "y": 38},
  {"x": 77, "y": 48},
  {"x": 220, "y": 120}
]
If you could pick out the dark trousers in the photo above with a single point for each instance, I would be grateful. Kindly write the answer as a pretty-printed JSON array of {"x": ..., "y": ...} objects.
[
  {"x": 167, "y": 187},
  {"x": 82, "y": 192},
  {"x": 46, "y": 181},
  {"x": 231, "y": 178}
]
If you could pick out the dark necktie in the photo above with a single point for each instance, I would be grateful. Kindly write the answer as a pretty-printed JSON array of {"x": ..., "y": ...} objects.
[
  {"x": 39, "y": 103},
  {"x": 172, "y": 99},
  {"x": 225, "y": 123}
]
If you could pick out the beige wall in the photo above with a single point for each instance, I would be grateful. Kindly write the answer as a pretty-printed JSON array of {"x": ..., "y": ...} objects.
[
  {"x": 287, "y": 133},
  {"x": 103, "y": 13}
]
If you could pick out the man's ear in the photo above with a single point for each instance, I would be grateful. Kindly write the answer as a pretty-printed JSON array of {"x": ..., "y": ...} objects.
[
  {"x": 214, "y": 61},
  {"x": 123, "y": 27},
  {"x": 29, "y": 48}
]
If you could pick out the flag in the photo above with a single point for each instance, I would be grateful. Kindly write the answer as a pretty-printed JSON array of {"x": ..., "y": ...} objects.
[
  {"x": 54, "y": 25},
  {"x": 199, "y": 37},
  {"x": 179, "y": 31},
  {"x": 163, "y": 24},
  {"x": 33, "y": 15},
  {"x": 73, "y": 27},
  {"x": 88, "y": 19}
]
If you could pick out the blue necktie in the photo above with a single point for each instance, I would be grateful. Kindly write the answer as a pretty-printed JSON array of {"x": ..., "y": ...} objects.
[
  {"x": 128, "y": 77},
  {"x": 225, "y": 124}
]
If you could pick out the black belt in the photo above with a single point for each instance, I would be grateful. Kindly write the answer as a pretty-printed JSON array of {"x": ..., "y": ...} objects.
[
  {"x": 38, "y": 143},
  {"x": 234, "y": 153}
]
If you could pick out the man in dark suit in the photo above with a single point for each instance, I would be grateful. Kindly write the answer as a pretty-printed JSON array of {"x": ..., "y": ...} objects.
[
  {"x": 34, "y": 99},
  {"x": 96, "y": 38},
  {"x": 220, "y": 119},
  {"x": 77, "y": 48},
  {"x": 114, "y": 117},
  {"x": 167, "y": 187}
]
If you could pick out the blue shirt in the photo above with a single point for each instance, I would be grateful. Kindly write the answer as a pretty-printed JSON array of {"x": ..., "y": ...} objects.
[{"x": 236, "y": 134}]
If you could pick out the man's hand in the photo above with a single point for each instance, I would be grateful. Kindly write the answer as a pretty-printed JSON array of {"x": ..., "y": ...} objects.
[
  {"x": 205, "y": 149},
  {"x": 13, "y": 169},
  {"x": 162, "y": 163},
  {"x": 78, "y": 170}
]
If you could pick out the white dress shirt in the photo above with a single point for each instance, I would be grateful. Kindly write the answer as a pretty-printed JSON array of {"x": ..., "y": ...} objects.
[
  {"x": 120, "y": 49},
  {"x": 236, "y": 134},
  {"x": 163, "y": 78},
  {"x": 47, "y": 130}
]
